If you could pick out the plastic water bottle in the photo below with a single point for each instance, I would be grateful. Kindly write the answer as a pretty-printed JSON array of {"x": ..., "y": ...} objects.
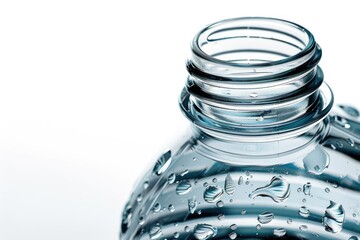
[{"x": 267, "y": 157}]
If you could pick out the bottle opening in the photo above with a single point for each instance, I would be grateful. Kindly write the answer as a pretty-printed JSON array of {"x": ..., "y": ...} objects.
[
  {"x": 251, "y": 47},
  {"x": 255, "y": 76}
]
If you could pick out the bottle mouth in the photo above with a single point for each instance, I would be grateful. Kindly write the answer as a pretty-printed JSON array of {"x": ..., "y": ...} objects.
[
  {"x": 251, "y": 47},
  {"x": 255, "y": 76}
]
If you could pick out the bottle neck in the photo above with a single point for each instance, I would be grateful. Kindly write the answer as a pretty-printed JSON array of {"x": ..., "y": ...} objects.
[{"x": 255, "y": 78}]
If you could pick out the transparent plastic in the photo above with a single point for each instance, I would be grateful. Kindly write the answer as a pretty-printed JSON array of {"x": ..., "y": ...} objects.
[{"x": 267, "y": 156}]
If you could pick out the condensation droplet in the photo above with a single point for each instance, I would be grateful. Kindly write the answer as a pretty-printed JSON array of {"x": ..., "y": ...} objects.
[
  {"x": 240, "y": 181},
  {"x": 232, "y": 235},
  {"x": 334, "y": 217},
  {"x": 212, "y": 194},
  {"x": 243, "y": 211},
  {"x": 303, "y": 228},
  {"x": 192, "y": 204},
  {"x": 353, "y": 238},
  {"x": 258, "y": 226},
  {"x": 327, "y": 190},
  {"x": 183, "y": 173},
  {"x": 317, "y": 161},
  {"x": 351, "y": 142},
  {"x": 141, "y": 220},
  {"x": 279, "y": 232},
  {"x": 229, "y": 185},
  {"x": 278, "y": 190},
  {"x": 221, "y": 216},
  {"x": 155, "y": 232},
  {"x": 233, "y": 227},
  {"x": 162, "y": 163},
  {"x": 289, "y": 221},
  {"x": 171, "y": 208},
  {"x": 157, "y": 207},
  {"x": 171, "y": 178},
  {"x": 139, "y": 198},
  {"x": 187, "y": 229},
  {"x": 146, "y": 185},
  {"x": 183, "y": 187},
  {"x": 176, "y": 235},
  {"x": 307, "y": 188},
  {"x": 220, "y": 204},
  {"x": 204, "y": 231},
  {"x": 265, "y": 217},
  {"x": 253, "y": 95},
  {"x": 304, "y": 212}
]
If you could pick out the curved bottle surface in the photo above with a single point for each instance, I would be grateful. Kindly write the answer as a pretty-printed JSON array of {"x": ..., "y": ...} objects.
[
  {"x": 199, "y": 192},
  {"x": 265, "y": 158}
]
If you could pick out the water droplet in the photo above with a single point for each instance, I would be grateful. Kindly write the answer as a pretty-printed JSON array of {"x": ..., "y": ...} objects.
[
  {"x": 184, "y": 172},
  {"x": 350, "y": 110},
  {"x": 279, "y": 232},
  {"x": 199, "y": 212},
  {"x": 171, "y": 178},
  {"x": 171, "y": 208},
  {"x": 247, "y": 183},
  {"x": 289, "y": 221},
  {"x": 146, "y": 185},
  {"x": 126, "y": 218},
  {"x": 194, "y": 158},
  {"x": 162, "y": 163},
  {"x": 304, "y": 200},
  {"x": 204, "y": 231},
  {"x": 221, "y": 216},
  {"x": 229, "y": 185},
  {"x": 334, "y": 217},
  {"x": 327, "y": 190},
  {"x": 176, "y": 235},
  {"x": 299, "y": 190},
  {"x": 155, "y": 232},
  {"x": 214, "y": 180},
  {"x": 339, "y": 144},
  {"x": 304, "y": 212},
  {"x": 139, "y": 198},
  {"x": 247, "y": 173},
  {"x": 260, "y": 119},
  {"x": 240, "y": 181},
  {"x": 258, "y": 227},
  {"x": 351, "y": 142},
  {"x": 342, "y": 122},
  {"x": 141, "y": 220},
  {"x": 253, "y": 95},
  {"x": 307, "y": 188},
  {"x": 354, "y": 214},
  {"x": 220, "y": 204},
  {"x": 157, "y": 207},
  {"x": 265, "y": 217},
  {"x": 192, "y": 204},
  {"x": 353, "y": 238},
  {"x": 303, "y": 228},
  {"x": 317, "y": 161},
  {"x": 243, "y": 211},
  {"x": 232, "y": 235},
  {"x": 233, "y": 227},
  {"x": 186, "y": 228},
  {"x": 205, "y": 184},
  {"x": 333, "y": 146},
  {"x": 212, "y": 194},
  {"x": 278, "y": 190},
  {"x": 183, "y": 187}
]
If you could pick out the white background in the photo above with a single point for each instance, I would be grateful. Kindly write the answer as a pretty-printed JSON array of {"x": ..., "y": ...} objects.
[{"x": 88, "y": 98}]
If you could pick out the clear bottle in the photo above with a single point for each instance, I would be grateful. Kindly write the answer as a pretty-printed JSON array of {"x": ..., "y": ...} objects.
[{"x": 267, "y": 155}]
